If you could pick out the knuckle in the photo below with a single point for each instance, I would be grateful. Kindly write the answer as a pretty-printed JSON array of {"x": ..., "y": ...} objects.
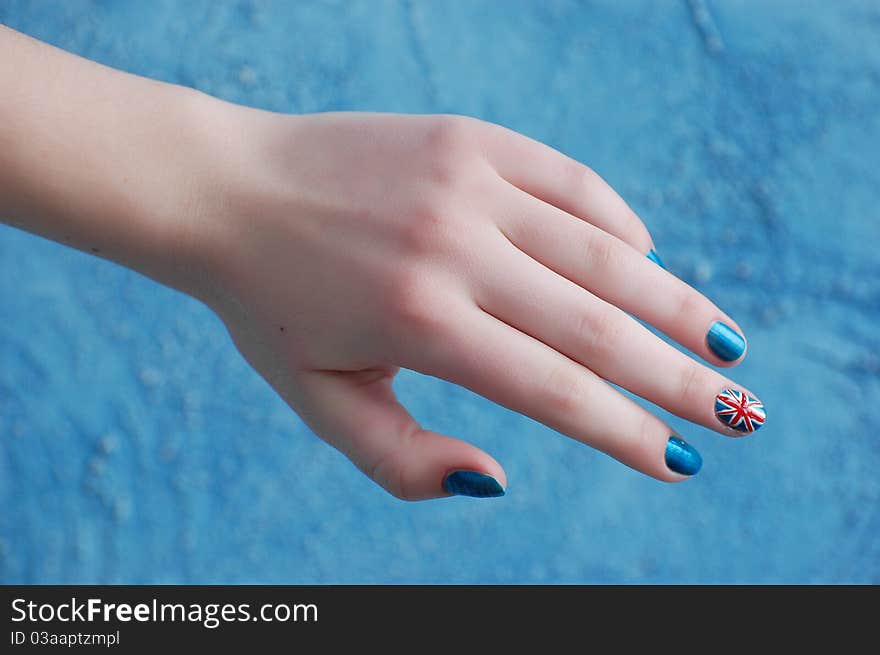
[
  {"x": 598, "y": 333},
  {"x": 564, "y": 391},
  {"x": 411, "y": 303},
  {"x": 442, "y": 175},
  {"x": 449, "y": 135},
  {"x": 388, "y": 473},
  {"x": 690, "y": 304},
  {"x": 449, "y": 151},
  {"x": 429, "y": 229},
  {"x": 694, "y": 381},
  {"x": 390, "y": 470},
  {"x": 582, "y": 177},
  {"x": 601, "y": 251}
]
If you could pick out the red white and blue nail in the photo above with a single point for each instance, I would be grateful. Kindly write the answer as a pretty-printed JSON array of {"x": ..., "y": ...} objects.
[{"x": 739, "y": 411}]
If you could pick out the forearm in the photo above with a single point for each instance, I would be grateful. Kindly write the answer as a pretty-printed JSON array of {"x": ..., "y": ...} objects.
[{"x": 107, "y": 162}]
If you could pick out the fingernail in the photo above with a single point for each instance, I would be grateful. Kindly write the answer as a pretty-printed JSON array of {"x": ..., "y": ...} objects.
[
  {"x": 654, "y": 257},
  {"x": 739, "y": 411},
  {"x": 472, "y": 483},
  {"x": 681, "y": 457},
  {"x": 725, "y": 342}
]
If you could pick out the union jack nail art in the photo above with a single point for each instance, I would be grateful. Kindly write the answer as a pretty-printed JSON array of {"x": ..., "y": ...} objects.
[{"x": 739, "y": 411}]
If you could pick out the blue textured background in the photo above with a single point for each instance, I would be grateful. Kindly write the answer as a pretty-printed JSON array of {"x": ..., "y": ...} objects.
[{"x": 136, "y": 446}]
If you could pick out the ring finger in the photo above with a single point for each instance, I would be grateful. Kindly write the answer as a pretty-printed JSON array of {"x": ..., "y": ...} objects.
[{"x": 512, "y": 369}]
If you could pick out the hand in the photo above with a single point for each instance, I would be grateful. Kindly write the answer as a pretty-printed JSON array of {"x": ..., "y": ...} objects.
[
  {"x": 339, "y": 247},
  {"x": 346, "y": 245}
]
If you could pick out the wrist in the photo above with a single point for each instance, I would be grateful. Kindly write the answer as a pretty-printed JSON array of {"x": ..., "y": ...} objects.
[
  {"x": 187, "y": 220},
  {"x": 241, "y": 179}
]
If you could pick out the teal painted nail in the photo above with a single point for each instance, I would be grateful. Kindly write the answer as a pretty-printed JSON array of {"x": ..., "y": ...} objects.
[
  {"x": 654, "y": 257},
  {"x": 725, "y": 342},
  {"x": 472, "y": 483},
  {"x": 681, "y": 457}
]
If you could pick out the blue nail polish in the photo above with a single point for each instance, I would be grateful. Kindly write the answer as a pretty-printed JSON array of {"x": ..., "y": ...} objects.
[
  {"x": 725, "y": 342},
  {"x": 681, "y": 457},
  {"x": 472, "y": 483},
  {"x": 654, "y": 257}
]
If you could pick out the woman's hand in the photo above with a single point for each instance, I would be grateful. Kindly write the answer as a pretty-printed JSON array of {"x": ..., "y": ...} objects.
[{"x": 339, "y": 247}]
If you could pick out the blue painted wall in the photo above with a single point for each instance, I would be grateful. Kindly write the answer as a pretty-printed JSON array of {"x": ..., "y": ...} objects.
[{"x": 136, "y": 446}]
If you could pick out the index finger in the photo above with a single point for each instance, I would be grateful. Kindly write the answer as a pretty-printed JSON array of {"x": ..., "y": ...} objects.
[{"x": 568, "y": 184}]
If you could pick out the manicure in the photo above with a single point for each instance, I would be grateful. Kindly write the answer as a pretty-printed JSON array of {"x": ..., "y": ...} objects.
[
  {"x": 725, "y": 342},
  {"x": 654, "y": 257},
  {"x": 472, "y": 483},
  {"x": 739, "y": 411},
  {"x": 681, "y": 457}
]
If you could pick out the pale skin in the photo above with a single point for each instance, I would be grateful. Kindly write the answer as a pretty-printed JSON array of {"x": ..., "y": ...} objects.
[{"x": 339, "y": 247}]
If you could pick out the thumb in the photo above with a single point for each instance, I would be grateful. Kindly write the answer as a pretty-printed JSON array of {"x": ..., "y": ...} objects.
[{"x": 358, "y": 413}]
